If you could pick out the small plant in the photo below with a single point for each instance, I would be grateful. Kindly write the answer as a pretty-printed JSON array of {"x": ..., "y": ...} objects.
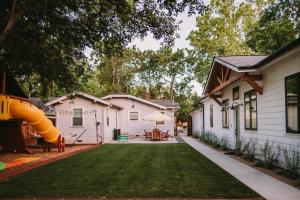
[
  {"x": 250, "y": 152},
  {"x": 291, "y": 161},
  {"x": 224, "y": 143},
  {"x": 242, "y": 147},
  {"x": 270, "y": 157},
  {"x": 196, "y": 134}
]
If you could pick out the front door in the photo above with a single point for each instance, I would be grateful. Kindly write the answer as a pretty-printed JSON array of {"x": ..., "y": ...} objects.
[{"x": 237, "y": 126}]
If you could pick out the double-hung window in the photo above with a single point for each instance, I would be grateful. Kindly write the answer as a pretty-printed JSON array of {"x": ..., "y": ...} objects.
[
  {"x": 250, "y": 99},
  {"x": 77, "y": 117},
  {"x": 292, "y": 103}
]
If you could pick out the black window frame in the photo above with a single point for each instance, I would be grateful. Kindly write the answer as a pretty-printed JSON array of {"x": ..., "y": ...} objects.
[
  {"x": 297, "y": 75},
  {"x": 211, "y": 115},
  {"x": 236, "y": 89},
  {"x": 225, "y": 112},
  {"x": 246, "y": 93}
]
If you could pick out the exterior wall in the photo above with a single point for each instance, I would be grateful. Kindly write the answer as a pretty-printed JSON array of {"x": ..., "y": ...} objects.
[
  {"x": 64, "y": 121},
  {"x": 138, "y": 127},
  {"x": 197, "y": 121},
  {"x": 270, "y": 107}
]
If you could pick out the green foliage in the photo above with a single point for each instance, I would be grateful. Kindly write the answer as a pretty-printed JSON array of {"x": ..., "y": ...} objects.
[
  {"x": 291, "y": 161},
  {"x": 50, "y": 38},
  {"x": 224, "y": 142},
  {"x": 221, "y": 31},
  {"x": 278, "y": 25},
  {"x": 248, "y": 148},
  {"x": 269, "y": 155}
]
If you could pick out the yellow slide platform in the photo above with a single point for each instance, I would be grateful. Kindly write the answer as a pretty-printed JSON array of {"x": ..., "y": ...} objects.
[{"x": 12, "y": 108}]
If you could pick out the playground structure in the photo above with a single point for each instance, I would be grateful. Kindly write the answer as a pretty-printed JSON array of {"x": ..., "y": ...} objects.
[{"x": 14, "y": 110}]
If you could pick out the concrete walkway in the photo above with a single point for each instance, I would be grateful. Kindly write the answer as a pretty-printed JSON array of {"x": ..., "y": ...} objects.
[{"x": 265, "y": 185}]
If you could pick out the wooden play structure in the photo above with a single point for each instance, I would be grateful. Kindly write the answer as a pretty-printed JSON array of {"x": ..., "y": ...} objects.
[{"x": 20, "y": 121}]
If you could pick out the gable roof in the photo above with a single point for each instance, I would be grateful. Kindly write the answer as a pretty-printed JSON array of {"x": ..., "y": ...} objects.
[
  {"x": 238, "y": 63},
  {"x": 86, "y": 96},
  {"x": 250, "y": 63},
  {"x": 127, "y": 96}
]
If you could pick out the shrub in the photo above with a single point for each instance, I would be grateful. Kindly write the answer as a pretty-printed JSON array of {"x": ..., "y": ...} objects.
[
  {"x": 270, "y": 157},
  {"x": 195, "y": 134},
  {"x": 250, "y": 152},
  {"x": 224, "y": 143},
  {"x": 291, "y": 161}
]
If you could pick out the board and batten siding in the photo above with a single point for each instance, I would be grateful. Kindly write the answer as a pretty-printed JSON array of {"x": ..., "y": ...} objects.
[
  {"x": 64, "y": 121},
  {"x": 270, "y": 106},
  {"x": 136, "y": 128},
  {"x": 197, "y": 121}
]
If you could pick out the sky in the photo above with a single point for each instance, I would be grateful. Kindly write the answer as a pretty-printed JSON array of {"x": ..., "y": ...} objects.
[{"x": 188, "y": 24}]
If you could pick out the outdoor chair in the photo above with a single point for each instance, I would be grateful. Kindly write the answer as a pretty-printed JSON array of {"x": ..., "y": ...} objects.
[
  {"x": 156, "y": 134},
  {"x": 148, "y": 135},
  {"x": 164, "y": 135}
]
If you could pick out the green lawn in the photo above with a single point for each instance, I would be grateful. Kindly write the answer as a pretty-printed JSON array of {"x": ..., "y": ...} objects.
[{"x": 133, "y": 170}]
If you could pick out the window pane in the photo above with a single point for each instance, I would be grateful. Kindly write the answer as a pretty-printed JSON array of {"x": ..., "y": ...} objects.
[
  {"x": 77, "y": 121},
  {"x": 247, "y": 115},
  {"x": 133, "y": 116},
  {"x": 254, "y": 119},
  {"x": 292, "y": 104},
  {"x": 77, "y": 112}
]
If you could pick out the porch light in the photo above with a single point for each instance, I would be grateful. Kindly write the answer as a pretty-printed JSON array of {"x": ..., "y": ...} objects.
[{"x": 234, "y": 104}]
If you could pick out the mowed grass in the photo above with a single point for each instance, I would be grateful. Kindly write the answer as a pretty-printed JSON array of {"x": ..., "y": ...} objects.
[{"x": 129, "y": 170}]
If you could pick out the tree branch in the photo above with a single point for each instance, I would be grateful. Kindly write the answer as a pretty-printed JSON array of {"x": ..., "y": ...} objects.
[{"x": 12, "y": 20}]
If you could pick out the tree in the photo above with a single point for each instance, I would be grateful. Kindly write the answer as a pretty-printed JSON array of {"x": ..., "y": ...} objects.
[
  {"x": 278, "y": 25},
  {"x": 221, "y": 31},
  {"x": 48, "y": 38},
  {"x": 176, "y": 69},
  {"x": 111, "y": 75}
]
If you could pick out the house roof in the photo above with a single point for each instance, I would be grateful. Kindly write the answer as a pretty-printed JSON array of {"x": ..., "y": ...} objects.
[
  {"x": 160, "y": 105},
  {"x": 166, "y": 103},
  {"x": 83, "y": 95},
  {"x": 250, "y": 63},
  {"x": 239, "y": 62}
]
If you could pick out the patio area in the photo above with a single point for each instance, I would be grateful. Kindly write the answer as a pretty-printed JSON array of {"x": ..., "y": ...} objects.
[{"x": 142, "y": 140}]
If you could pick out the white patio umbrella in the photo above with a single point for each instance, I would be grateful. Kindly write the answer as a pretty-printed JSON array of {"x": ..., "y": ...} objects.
[{"x": 156, "y": 116}]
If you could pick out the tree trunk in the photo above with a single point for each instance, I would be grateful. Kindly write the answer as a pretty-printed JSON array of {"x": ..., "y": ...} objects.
[{"x": 12, "y": 20}]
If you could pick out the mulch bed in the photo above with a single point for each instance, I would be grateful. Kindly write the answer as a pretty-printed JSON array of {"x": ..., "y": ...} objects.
[
  {"x": 270, "y": 172},
  {"x": 45, "y": 158}
]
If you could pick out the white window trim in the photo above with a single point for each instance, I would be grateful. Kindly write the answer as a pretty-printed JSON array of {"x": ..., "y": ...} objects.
[
  {"x": 165, "y": 123},
  {"x": 129, "y": 120},
  {"x": 83, "y": 118}
]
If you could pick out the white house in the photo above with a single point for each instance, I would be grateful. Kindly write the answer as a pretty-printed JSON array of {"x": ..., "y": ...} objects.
[
  {"x": 253, "y": 97},
  {"x": 84, "y": 114},
  {"x": 97, "y": 118},
  {"x": 135, "y": 108}
]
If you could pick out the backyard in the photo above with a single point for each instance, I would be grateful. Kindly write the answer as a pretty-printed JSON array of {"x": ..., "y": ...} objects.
[{"x": 129, "y": 170}]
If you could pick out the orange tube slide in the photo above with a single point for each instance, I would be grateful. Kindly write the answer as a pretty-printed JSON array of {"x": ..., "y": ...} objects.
[{"x": 34, "y": 116}]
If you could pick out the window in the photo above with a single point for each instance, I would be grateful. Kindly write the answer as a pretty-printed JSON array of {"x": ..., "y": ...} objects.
[
  {"x": 211, "y": 115},
  {"x": 133, "y": 116},
  {"x": 160, "y": 123},
  {"x": 225, "y": 114},
  {"x": 77, "y": 117},
  {"x": 236, "y": 93},
  {"x": 292, "y": 93},
  {"x": 250, "y": 99},
  {"x": 107, "y": 117}
]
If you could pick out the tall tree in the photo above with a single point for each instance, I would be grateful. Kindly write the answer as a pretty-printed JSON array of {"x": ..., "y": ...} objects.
[
  {"x": 48, "y": 38},
  {"x": 278, "y": 25},
  {"x": 221, "y": 31}
]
